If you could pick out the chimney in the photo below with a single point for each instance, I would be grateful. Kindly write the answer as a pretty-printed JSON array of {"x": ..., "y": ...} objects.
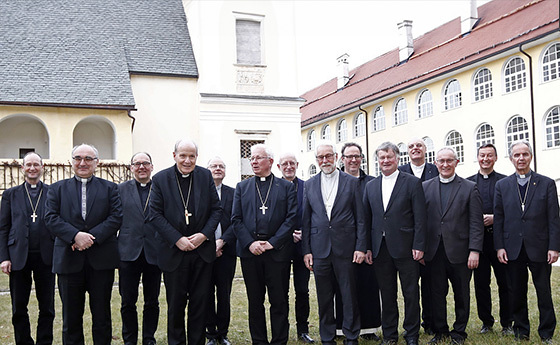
[
  {"x": 469, "y": 16},
  {"x": 406, "y": 43},
  {"x": 343, "y": 77}
]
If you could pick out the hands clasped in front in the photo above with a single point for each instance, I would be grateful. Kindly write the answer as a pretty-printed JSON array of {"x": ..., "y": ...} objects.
[{"x": 191, "y": 242}]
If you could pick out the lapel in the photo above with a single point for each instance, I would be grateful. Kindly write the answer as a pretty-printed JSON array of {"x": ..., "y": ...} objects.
[
  {"x": 377, "y": 189},
  {"x": 174, "y": 189},
  {"x": 395, "y": 191},
  {"x": 532, "y": 186},
  {"x": 21, "y": 199},
  {"x": 455, "y": 185},
  {"x": 318, "y": 195},
  {"x": 273, "y": 195},
  {"x": 437, "y": 197},
  {"x": 91, "y": 193},
  {"x": 197, "y": 186},
  {"x": 342, "y": 181},
  {"x": 133, "y": 193}
]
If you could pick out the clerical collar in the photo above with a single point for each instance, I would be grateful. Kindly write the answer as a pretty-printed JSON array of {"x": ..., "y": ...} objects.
[
  {"x": 33, "y": 186},
  {"x": 447, "y": 180},
  {"x": 527, "y": 175},
  {"x": 143, "y": 185},
  {"x": 523, "y": 179},
  {"x": 484, "y": 176},
  {"x": 180, "y": 174},
  {"x": 219, "y": 187},
  {"x": 394, "y": 175},
  {"x": 262, "y": 178},
  {"x": 331, "y": 175},
  {"x": 83, "y": 180}
]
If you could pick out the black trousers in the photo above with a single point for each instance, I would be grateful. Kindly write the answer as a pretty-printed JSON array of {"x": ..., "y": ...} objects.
[
  {"x": 408, "y": 270},
  {"x": 540, "y": 272},
  {"x": 20, "y": 290},
  {"x": 189, "y": 282},
  {"x": 329, "y": 273},
  {"x": 482, "y": 276},
  {"x": 301, "y": 286},
  {"x": 426, "y": 294},
  {"x": 129, "y": 280},
  {"x": 72, "y": 289},
  {"x": 219, "y": 305},
  {"x": 262, "y": 274},
  {"x": 460, "y": 276}
]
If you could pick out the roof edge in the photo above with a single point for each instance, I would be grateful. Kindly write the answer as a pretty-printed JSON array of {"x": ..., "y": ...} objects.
[{"x": 70, "y": 105}]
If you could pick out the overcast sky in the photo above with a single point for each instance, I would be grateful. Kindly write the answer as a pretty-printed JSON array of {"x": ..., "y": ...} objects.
[{"x": 364, "y": 29}]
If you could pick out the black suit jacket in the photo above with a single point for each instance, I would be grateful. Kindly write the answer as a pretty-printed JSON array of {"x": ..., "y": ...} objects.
[
  {"x": 14, "y": 228},
  {"x": 103, "y": 219},
  {"x": 228, "y": 235},
  {"x": 281, "y": 216},
  {"x": 345, "y": 232},
  {"x": 460, "y": 225},
  {"x": 136, "y": 232},
  {"x": 430, "y": 171},
  {"x": 404, "y": 221},
  {"x": 538, "y": 227},
  {"x": 168, "y": 215}
]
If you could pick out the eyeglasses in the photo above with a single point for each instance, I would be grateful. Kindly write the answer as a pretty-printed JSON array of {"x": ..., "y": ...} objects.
[
  {"x": 448, "y": 161},
  {"x": 288, "y": 164},
  {"x": 34, "y": 165},
  {"x": 217, "y": 166},
  {"x": 328, "y": 156},
  {"x": 144, "y": 164},
  {"x": 351, "y": 157},
  {"x": 86, "y": 159},
  {"x": 256, "y": 158}
]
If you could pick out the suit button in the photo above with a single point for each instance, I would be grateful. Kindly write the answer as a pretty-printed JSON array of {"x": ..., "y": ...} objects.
[
  {"x": 442, "y": 223},
  {"x": 385, "y": 218}
]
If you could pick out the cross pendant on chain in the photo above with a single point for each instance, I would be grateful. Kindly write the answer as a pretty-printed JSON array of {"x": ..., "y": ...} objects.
[
  {"x": 263, "y": 209},
  {"x": 187, "y": 215},
  {"x": 34, "y": 216}
]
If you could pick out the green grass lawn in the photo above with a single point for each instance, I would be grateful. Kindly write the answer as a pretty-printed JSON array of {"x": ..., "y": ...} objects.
[{"x": 239, "y": 328}]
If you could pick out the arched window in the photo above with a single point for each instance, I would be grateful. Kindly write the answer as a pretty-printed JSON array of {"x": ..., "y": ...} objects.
[
  {"x": 517, "y": 129},
  {"x": 551, "y": 63},
  {"x": 378, "y": 119},
  {"x": 515, "y": 77},
  {"x": 482, "y": 85},
  {"x": 400, "y": 114},
  {"x": 311, "y": 140},
  {"x": 425, "y": 104},
  {"x": 99, "y": 132},
  {"x": 326, "y": 132},
  {"x": 360, "y": 125},
  {"x": 430, "y": 150},
  {"x": 455, "y": 140},
  {"x": 552, "y": 127},
  {"x": 484, "y": 135},
  {"x": 376, "y": 167},
  {"x": 341, "y": 131},
  {"x": 312, "y": 170},
  {"x": 404, "y": 158},
  {"x": 452, "y": 95}
]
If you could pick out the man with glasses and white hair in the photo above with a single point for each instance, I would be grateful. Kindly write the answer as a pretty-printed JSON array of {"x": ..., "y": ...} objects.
[
  {"x": 334, "y": 238},
  {"x": 138, "y": 251},
  {"x": 84, "y": 212},
  {"x": 264, "y": 212},
  {"x": 454, "y": 239},
  {"x": 527, "y": 235}
]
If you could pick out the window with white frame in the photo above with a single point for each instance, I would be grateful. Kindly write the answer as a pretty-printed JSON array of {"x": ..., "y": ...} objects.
[
  {"x": 430, "y": 150},
  {"x": 359, "y": 125},
  {"x": 400, "y": 113},
  {"x": 552, "y": 127},
  {"x": 376, "y": 167},
  {"x": 312, "y": 170},
  {"x": 341, "y": 131},
  {"x": 517, "y": 129},
  {"x": 551, "y": 63},
  {"x": 482, "y": 85},
  {"x": 378, "y": 119},
  {"x": 248, "y": 40},
  {"x": 452, "y": 95},
  {"x": 455, "y": 140},
  {"x": 404, "y": 158},
  {"x": 311, "y": 140},
  {"x": 484, "y": 135},
  {"x": 326, "y": 132},
  {"x": 425, "y": 104},
  {"x": 515, "y": 76}
]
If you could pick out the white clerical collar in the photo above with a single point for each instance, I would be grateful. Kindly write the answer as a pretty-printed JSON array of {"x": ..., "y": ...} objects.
[
  {"x": 143, "y": 184},
  {"x": 527, "y": 175},
  {"x": 331, "y": 175},
  {"x": 219, "y": 187},
  {"x": 393, "y": 176},
  {"x": 447, "y": 180},
  {"x": 83, "y": 180}
]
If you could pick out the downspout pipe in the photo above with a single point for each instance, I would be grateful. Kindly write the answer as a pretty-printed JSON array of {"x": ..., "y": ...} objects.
[
  {"x": 367, "y": 138},
  {"x": 532, "y": 96}
]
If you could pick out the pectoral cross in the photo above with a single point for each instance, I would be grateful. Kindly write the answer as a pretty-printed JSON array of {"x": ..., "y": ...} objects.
[
  {"x": 263, "y": 209},
  {"x": 523, "y": 207},
  {"x": 34, "y": 216},
  {"x": 187, "y": 215}
]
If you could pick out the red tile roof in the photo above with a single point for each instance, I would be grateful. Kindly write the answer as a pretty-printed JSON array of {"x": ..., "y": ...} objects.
[{"x": 502, "y": 25}]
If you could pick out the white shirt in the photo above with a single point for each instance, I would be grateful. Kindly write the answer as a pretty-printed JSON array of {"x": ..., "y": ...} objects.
[
  {"x": 387, "y": 186},
  {"x": 329, "y": 188},
  {"x": 417, "y": 170}
]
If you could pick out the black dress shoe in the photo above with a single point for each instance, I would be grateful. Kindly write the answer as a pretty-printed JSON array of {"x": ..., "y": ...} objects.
[
  {"x": 212, "y": 342},
  {"x": 388, "y": 342},
  {"x": 411, "y": 341},
  {"x": 150, "y": 342},
  {"x": 438, "y": 338},
  {"x": 304, "y": 337},
  {"x": 225, "y": 341},
  {"x": 485, "y": 329},
  {"x": 370, "y": 336}
]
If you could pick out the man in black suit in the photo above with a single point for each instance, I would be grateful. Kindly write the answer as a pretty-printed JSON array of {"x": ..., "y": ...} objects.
[
  {"x": 527, "y": 235},
  {"x": 84, "y": 213},
  {"x": 264, "y": 212},
  {"x": 334, "y": 238},
  {"x": 485, "y": 180},
  {"x": 424, "y": 171},
  {"x": 223, "y": 270},
  {"x": 395, "y": 212},
  {"x": 288, "y": 165},
  {"x": 366, "y": 282},
  {"x": 26, "y": 248},
  {"x": 138, "y": 252},
  {"x": 454, "y": 238},
  {"x": 185, "y": 210}
]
